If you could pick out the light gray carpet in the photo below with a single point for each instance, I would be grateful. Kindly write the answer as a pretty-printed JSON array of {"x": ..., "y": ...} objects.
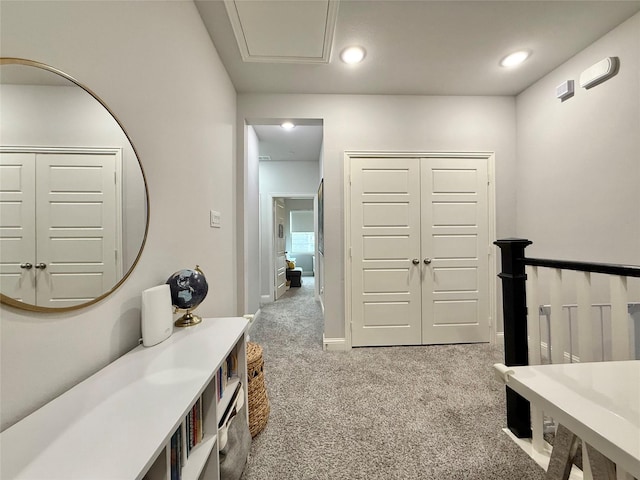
[{"x": 431, "y": 412}]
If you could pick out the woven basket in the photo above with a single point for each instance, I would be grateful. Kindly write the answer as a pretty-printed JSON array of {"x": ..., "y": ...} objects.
[{"x": 256, "y": 391}]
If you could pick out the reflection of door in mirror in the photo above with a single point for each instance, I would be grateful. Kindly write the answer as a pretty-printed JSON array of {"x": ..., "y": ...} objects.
[{"x": 72, "y": 254}]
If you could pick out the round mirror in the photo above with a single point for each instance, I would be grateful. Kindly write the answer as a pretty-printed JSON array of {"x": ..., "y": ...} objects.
[{"x": 73, "y": 196}]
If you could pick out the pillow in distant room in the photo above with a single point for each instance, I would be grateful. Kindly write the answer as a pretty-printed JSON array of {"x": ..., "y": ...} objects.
[{"x": 291, "y": 265}]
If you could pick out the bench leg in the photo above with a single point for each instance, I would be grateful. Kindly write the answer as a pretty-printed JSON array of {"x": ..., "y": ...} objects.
[
  {"x": 601, "y": 467},
  {"x": 565, "y": 447}
]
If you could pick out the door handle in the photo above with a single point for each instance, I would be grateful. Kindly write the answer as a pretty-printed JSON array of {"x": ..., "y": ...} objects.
[
  {"x": 41, "y": 266},
  {"x": 415, "y": 261},
  {"x": 427, "y": 261},
  {"x": 26, "y": 266}
]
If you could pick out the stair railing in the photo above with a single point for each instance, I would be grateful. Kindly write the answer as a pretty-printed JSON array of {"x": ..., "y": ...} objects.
[{"x": 520, "y": 296}]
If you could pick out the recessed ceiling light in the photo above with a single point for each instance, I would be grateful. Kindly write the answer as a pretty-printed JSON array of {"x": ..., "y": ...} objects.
[
  {"x": 352, "y": 55},
  {"x": 287, "y": 125},
  {"x": 515, "y": 58}
]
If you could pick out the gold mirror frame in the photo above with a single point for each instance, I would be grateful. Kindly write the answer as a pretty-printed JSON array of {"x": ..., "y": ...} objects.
[{"x": 5, "y": 300}]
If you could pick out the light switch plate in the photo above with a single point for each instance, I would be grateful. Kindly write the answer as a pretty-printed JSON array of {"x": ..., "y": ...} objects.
[{"x": 214, "y": 218}]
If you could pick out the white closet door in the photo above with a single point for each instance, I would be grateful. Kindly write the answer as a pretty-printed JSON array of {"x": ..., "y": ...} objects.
[
  {"x": 17, "y": 226},
  {"x": 385, "y": 233},
  {"x": 77, "y": 228},
  {"x": 419, "y": 251},
  {"x": 455, "y": 300},
  {"x": 280, "y": 269}
]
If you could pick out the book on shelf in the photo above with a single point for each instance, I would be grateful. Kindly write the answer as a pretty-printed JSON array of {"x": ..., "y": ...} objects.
[
  {"x": 229, "y": 411},
  {"x": 193, "y": 426},
  {"x": 176, "y": 455},
  {"x": 228, "y": 370},
  {"x": 232, "y": 364}
]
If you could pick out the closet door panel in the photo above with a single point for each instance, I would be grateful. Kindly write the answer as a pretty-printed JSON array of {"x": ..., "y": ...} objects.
[
  {"x": 17, "y": 226},
  {"x": 385, "y": 233},
  {"x": 455, "y": 303},
  {"x": 77, "y": 227}
]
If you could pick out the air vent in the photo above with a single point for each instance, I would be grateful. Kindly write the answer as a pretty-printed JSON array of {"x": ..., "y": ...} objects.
[{"x": 264, "y": 158}]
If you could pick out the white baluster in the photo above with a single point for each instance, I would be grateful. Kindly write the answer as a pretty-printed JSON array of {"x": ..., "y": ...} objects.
[
  {"x": 619, "y": 319},
  {"x": 533, "y": 316},
  {"x": 585, "y": 325},
  {"x": 569, "y": 309},
  {"x": 557, "y": 318},
  {"x": 601, "y": 333},
  {"x": 537, "y": 429}
]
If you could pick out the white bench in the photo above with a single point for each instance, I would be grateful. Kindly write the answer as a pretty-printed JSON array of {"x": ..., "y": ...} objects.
[{"x": 597, "y": 402}]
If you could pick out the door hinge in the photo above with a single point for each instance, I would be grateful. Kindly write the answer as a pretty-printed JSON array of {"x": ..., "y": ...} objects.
[
  {"x": 349, "y": 252},
  {"x": 115, "y": 178}
]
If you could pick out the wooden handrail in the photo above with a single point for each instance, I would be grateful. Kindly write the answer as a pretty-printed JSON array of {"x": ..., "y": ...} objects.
[{"x": 606, "y": 268}]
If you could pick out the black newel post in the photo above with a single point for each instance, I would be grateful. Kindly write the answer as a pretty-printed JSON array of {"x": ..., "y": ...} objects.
[{"x": 516, "y": 348}]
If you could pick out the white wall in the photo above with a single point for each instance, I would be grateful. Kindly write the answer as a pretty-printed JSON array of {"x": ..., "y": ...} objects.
[
  {"x": 252, "y": 224},
  {"x": 417, "y": 123},
  {"x": 579, "y": 160},
  {"x": 154, "y": 65},
  {"x": 280, "y": 179}
]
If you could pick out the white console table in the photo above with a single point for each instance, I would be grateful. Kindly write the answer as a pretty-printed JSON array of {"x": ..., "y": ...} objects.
[
  {"x": 598, "y": 402},
  {"x": 118, "y": 423}
]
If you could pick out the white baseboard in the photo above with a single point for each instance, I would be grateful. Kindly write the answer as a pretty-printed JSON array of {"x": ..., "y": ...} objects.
[
  {"x": 253, "y": 318},
  {"x": 265, "y": 299},
  {"x": 334, "y": 344}
]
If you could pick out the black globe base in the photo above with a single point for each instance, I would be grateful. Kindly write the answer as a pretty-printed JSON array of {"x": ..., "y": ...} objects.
[{"x": 188, "y": 320}]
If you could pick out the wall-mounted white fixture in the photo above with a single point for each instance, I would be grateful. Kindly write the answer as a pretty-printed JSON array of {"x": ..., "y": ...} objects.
[
  {"x": 287, "y": 125},
  {"x": 565, "y": 90},
  {"x": 352, "y": 55},
  {"x": 599, "y": 72},
  {"x": 514, "y": 59},
  {"x": 214, "y": 219}
]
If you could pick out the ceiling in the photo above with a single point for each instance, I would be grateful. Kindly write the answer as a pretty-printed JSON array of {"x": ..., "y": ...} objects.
[
  {"x": 419, "y": 47},
  {"x": 303, "y": 143}
]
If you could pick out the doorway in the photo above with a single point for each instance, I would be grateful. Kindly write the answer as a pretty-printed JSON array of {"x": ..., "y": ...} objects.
[
  {"x": 282, "y": 164},
  {"x": 294, "y": 240}
]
